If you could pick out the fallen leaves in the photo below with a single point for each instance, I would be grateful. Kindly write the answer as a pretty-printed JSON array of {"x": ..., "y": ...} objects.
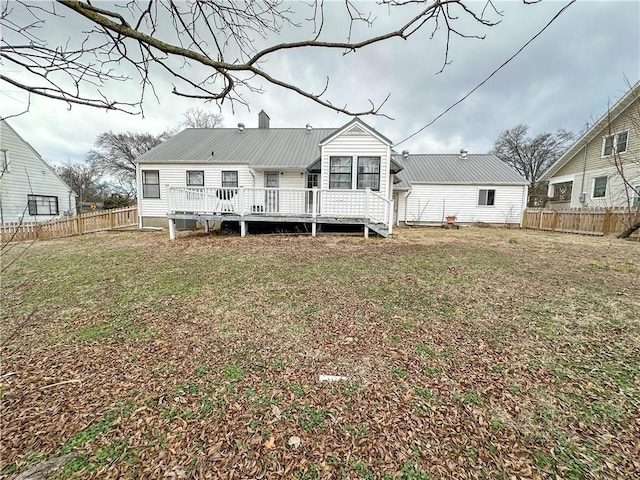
[{"x": 441, "y": 374}]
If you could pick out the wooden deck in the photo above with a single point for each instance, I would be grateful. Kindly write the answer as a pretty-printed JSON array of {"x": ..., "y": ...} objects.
[{"x": 265, "y": 205}]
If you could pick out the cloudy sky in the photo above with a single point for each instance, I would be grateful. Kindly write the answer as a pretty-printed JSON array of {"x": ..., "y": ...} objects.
[{"x": 563, "y": 79}]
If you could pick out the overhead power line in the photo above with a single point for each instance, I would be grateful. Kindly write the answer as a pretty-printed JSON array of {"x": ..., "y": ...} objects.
[{"x": 491, "y": 75}]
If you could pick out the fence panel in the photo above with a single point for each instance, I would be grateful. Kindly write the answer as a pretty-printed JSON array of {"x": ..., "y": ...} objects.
[
  {"x": 584, "y": 221},
  {"x": 67, "y": 227}
]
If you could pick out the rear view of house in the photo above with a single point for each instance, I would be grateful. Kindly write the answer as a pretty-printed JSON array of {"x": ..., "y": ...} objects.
[
  {"x": 30, "y": 190},
  {"x": 317, "y": 176}
]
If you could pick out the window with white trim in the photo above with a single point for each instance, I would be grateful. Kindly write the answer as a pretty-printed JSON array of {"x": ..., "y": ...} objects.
[
  {"x": 599, "y": 187},
  {"x": 150, "y": 184},
  {"x": 42, "y": 205},
  {"x": 230, "y": 179},
  {"x": 636, "y": 196},
  {"x": 195, "y": 178},
  {"x": 369, "y": 173},
  {"x": 340, "y": 172},
  {"x": 487, "y": 197},
  {"x": 615, "y": 143}
]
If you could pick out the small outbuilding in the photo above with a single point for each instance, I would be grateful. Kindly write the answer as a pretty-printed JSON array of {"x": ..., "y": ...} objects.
[{"x": 471, "y": 188}]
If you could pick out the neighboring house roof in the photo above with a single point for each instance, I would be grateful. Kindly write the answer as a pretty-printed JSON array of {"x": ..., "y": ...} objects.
[
  {"x": 485, "y": 169},
  {"x": 37, "y": 155},
  {"x": 610, "y": 115},
  {"x": 259, "y": 147}
]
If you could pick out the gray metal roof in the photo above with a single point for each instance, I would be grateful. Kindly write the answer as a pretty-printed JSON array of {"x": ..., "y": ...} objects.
[
  {"x": 360, "y": 122},
  {"x": 483, "y": 169},
  {"x": 259, "y": 147}
]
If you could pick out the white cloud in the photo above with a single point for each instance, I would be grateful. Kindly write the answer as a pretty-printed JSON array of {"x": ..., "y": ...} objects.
[{"x": 563, "y": 79}]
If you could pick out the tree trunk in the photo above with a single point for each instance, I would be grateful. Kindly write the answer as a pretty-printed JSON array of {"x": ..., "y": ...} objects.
[{"x": 629, "y": 231}]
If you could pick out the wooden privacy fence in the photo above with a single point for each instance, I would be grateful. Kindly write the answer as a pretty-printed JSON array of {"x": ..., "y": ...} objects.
[
  {"x": 67, "y": 227},
  {"x": 585, "y": 221}
]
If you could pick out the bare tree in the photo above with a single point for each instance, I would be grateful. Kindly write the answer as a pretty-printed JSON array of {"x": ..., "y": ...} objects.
[
  {"x": 84, "y": 180},
  {"x": 208, "y": 48},
  {"x": 531, "y": 156},
  {"x": 115, "y": 153},
  {"x": 197, "y": 117},
  {"x": 626, "y": 161}
]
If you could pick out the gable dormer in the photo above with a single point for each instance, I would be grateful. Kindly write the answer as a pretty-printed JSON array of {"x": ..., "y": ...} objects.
[{"x": 354, "y": 157}]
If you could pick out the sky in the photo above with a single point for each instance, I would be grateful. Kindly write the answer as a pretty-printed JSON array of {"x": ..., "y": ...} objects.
[{"x": 565, "y": 78}]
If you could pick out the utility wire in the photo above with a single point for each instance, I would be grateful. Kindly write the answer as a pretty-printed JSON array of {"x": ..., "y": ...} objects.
[{"x": 492, "y": 73}]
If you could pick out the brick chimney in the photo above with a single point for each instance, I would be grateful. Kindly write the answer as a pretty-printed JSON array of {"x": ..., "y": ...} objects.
[{"x": 263, "y": 119}]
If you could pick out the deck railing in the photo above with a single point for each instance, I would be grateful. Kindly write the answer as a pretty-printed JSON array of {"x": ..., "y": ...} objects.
[{"x": 292, "y": 202}]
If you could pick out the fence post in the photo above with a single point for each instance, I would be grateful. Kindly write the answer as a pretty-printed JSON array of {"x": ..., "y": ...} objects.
[
  {"x": 112, "y": 220},
  {"x": 79, "y": 223},
  {"x": 554, "y": 221},
  {"x": 606, "y": 225}
]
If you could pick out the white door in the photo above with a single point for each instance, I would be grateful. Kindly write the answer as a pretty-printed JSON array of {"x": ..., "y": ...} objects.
[{"x": 271, "y": 180}]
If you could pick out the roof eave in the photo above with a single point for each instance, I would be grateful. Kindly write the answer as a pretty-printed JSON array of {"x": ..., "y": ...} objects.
[{"x": 609, "y": 116}]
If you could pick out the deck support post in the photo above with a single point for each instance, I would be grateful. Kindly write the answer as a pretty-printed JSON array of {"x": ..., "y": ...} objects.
[
  {"x": 314, "y": 229},
  {"x": 172, "y": 229},
  {"x": 206, "y": 226},
  {"x": 366, "y": 231},
  {"x": 243, "y": 228}
]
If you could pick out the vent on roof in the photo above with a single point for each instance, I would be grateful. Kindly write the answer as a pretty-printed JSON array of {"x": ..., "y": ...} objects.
[
  {"x": 405, "y": 153},
  {"x": 241, "y": 127},
  {"x": 463, "y": 153},
  {"x": 263, "y": 119},
  {"x": 308, "y": 127}
]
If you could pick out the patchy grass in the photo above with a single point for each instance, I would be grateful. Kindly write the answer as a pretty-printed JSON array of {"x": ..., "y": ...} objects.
[{"x": 469, "y": 353}]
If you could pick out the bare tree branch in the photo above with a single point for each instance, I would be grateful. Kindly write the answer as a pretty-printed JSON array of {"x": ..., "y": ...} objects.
[{"x": 183, "y": 37}]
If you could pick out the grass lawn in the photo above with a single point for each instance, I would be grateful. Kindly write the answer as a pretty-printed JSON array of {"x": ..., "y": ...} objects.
[{"x": 474, "y": 353}]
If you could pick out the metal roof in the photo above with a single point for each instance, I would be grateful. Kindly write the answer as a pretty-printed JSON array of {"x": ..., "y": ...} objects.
[
  {"x": 259, "y": 147},
  {"x": 485, "y": 169},
  {"x": 358, "y": 122}
]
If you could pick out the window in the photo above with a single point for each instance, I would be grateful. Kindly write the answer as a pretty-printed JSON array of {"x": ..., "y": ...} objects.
[
  {"x": 562, "y": 191},
  {"x": 636, "y": 196},
  {"x": 369, "y": 172},
  {"x": 4, "y": 162},
  {"x": 487, "y": 197},
  {"x": 312, "y": 180},
  {"x": 229, "y": 179},
  {"x": 615, "y": 143},
  {"x": 340, "y": 172},
  {"x": 599, "y": 187},
  {"x": 42, "y": 205},
  {"x": 195, "y": 178},
  {"x": 150, "y": 184}
]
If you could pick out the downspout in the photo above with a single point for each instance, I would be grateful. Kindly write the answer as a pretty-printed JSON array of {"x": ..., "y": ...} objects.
[
  {"x": 584, "y": 171},
  {"x": 74, "y": 207},
  {"x": 406, "y": 204}
]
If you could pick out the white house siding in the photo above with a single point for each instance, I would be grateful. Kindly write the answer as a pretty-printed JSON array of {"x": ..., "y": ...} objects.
[
  {"x": 153, "y": 211},
  {"x": 430, "y": 204},
  {"x": 28, "y": 174},
  {"x": 356, "y": 142}
]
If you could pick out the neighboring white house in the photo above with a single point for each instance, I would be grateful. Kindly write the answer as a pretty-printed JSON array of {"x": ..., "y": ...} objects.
[
  {"x": 29, "y": 188},
  {"x": 586, "y": 175},
  {"x": 472, "y": 188},
  {"x": 340, "y": 175}
]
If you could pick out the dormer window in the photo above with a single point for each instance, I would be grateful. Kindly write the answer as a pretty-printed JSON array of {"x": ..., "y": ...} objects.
[{"x": 615, "y": 143}]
